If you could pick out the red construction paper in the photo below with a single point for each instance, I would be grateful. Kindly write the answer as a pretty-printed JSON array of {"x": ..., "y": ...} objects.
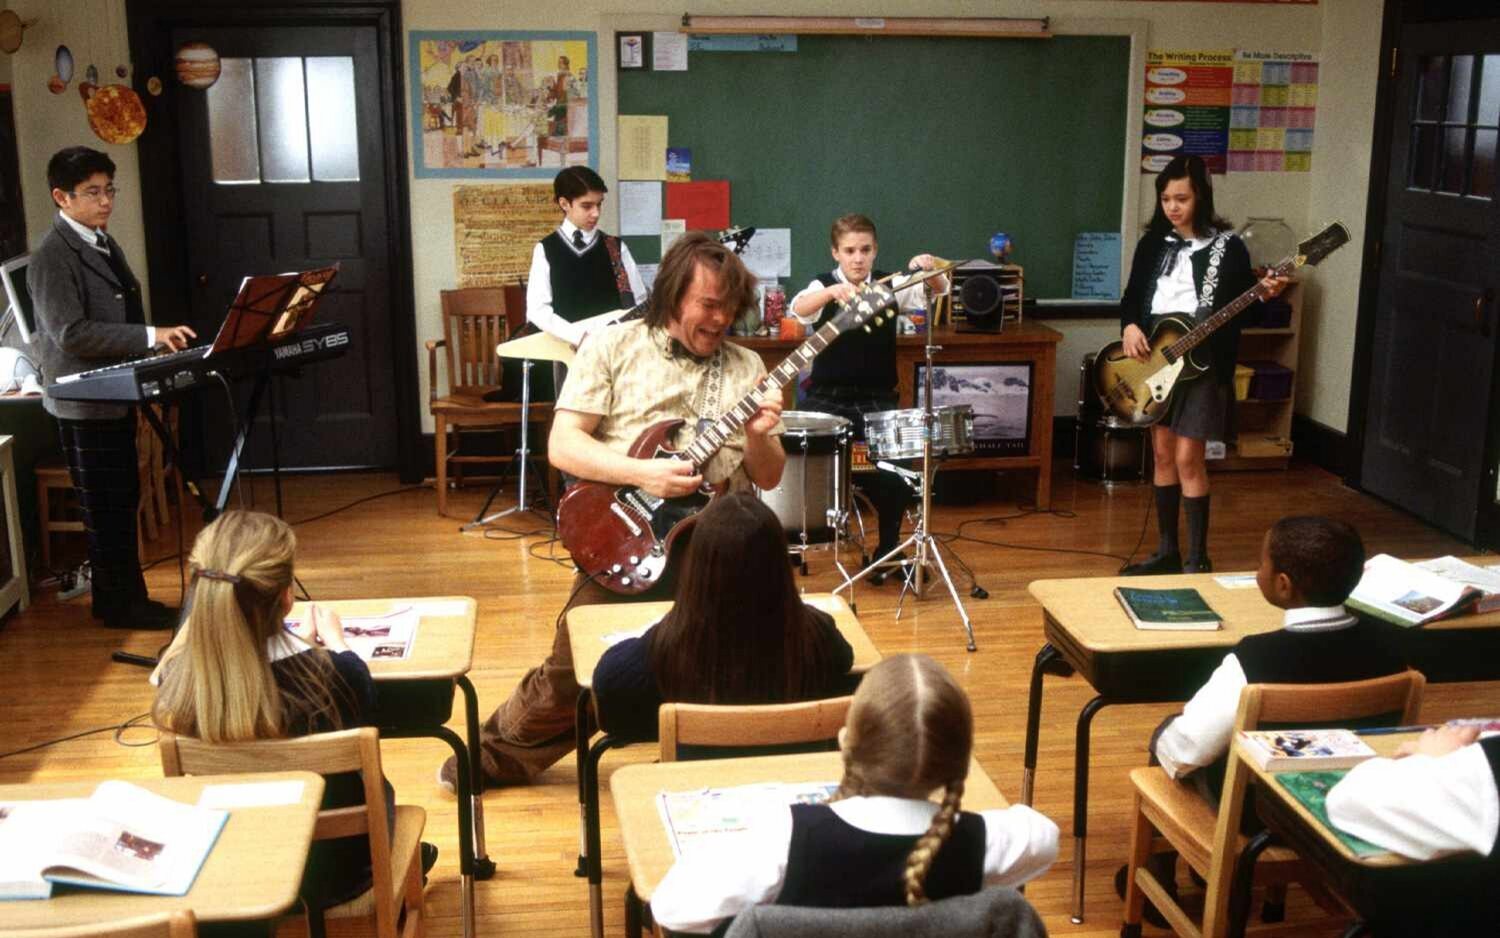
[{"x": 704, "y": 204}]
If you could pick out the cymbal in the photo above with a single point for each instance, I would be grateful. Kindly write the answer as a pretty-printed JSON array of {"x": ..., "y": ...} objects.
[{"x": 539, "y": 347}]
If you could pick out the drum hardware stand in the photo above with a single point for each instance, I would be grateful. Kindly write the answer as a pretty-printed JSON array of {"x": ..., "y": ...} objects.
[
  {"x": 926, "y": 547},
  {"x": 523, "y": 456}
]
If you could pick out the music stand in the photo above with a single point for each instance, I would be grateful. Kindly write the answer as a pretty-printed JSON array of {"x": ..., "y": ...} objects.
[{"x": 528, "y": 350}]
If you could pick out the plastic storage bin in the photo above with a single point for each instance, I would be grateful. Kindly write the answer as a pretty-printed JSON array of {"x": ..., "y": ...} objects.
[
  {"x": 1242, "y": 375},
  {"x": 1271, "y": 382}
]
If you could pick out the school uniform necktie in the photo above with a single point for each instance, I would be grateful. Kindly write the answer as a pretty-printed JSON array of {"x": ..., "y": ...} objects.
[
  {"x": 578, "y": 240},
  {"x": 101, "y": 242}
]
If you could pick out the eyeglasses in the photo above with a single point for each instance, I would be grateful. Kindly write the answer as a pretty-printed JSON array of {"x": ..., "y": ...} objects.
[{"x": 94, "y": 193}]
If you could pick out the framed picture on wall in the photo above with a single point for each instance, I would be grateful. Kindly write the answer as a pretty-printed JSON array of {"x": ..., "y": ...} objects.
[
  {"x": 999, "y": 392},
  {"x": 631, "y": 50},
  {"x": 503, "y": 104}
]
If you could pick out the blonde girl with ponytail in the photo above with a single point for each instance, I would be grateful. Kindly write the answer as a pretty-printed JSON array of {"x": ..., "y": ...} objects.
[
  {"x": 882, "y": 840},
  {"x": 235, "y": 673}
]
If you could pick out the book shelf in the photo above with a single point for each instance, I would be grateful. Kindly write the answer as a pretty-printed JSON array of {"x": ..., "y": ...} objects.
[{"x": 1256, "y": 420}]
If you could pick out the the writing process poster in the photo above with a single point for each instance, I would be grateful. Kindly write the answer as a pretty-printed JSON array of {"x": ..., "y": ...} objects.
[
  {"x": 1187, "y": 107},
  {"x": 1275, "y": 99}
]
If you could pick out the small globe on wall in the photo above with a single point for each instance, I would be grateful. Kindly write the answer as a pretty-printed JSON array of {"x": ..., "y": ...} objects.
[{"x": 197, "y": 64}]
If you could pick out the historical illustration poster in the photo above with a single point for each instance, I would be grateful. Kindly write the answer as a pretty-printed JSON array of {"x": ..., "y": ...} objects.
[
  {"x": 517, "y": 104},
  {"x": 494, "y": 228}
]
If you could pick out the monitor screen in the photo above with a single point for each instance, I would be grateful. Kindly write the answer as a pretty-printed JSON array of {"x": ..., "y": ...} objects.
[{"x": 13, "y": 277}]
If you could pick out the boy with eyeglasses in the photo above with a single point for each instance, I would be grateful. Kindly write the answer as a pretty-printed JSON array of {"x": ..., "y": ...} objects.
[{"x": 89, "y": 314}]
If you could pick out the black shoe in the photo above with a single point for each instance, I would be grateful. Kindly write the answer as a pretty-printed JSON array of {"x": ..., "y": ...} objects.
[
  {"x": 429, "y": 859},
  {"x": 145, "y": 615},
  {"x": 889, "y": 568},
  {"x": 1202, "y": 565},
  {"x": 1157, "y": 564},
  {"x": 1149, "y": 912}
]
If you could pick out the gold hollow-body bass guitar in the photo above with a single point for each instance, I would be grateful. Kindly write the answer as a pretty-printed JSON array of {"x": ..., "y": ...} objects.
[{"x": 1139, "y": 393}]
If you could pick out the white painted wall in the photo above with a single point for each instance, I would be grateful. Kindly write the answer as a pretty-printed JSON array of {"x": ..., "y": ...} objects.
[{"x": 1344, "y": 32}]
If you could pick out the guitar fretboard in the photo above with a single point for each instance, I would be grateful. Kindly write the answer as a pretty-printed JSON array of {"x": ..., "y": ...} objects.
[
  {"x": 1228, "y": 311},
  {"x": 718, "y": 433}
]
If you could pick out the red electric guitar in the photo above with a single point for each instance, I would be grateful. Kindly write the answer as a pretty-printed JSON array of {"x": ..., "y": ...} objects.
[{"x": 620, "y": 534}]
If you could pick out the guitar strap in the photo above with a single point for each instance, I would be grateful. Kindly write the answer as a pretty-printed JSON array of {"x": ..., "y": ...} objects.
[
  {"x": 1211, "y": 275},
  {"x": 622, "y": 278}
]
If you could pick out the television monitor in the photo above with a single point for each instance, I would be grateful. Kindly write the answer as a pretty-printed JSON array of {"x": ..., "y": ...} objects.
[{"x": 13, "y": 277}]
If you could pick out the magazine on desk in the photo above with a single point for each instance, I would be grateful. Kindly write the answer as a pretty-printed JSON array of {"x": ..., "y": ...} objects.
[
  {"x": 705, "y": 819},
  {"x": 373, "y": 638},
  {"x": 1407, "y": 594},
  {"x": 122, "y": 837},
  {"x": 1305, "y": 750},
  {"x": 1485, "y": 580}
]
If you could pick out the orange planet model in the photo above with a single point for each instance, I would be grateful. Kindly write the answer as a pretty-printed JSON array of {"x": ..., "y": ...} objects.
[
  {"x": 116, "y": 114},
  {"x": 197, "y": 64}
]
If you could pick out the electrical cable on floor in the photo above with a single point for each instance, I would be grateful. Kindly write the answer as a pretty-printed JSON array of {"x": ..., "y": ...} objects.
[{"x": 119, "y": 730}]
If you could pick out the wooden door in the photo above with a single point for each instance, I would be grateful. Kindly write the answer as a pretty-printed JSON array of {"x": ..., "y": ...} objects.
[{"x": 1428, "y": 423}]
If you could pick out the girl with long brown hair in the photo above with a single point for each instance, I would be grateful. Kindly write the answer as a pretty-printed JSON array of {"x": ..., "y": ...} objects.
[
  {"x": 738, "y": 632},
  {"x": 881, "y": 841}
]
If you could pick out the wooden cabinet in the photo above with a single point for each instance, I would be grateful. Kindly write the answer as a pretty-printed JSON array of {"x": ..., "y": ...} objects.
[{"x": 1260, "y": 431}]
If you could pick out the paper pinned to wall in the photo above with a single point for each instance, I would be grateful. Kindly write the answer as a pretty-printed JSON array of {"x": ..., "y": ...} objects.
[
  {"x": 671, "y": 230},
  {"x": 1096, "y": 265},
  {"x": 640, "y": 208},
  {"x": 769, "y": 253},
  {"x": 643, "y": 146},
  {"x": 648, "y": 275},
  {"x": 703, "y": 205},
  {"x": 495, "y": 229},
  {"x": 669, "y": 52}
]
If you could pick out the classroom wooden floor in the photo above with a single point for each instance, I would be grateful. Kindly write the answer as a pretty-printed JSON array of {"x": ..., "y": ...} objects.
[{"x": 60, "y": 680}]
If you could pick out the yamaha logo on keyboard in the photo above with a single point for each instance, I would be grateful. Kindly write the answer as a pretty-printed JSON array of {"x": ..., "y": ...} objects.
[{"x": 308, "y": 346}]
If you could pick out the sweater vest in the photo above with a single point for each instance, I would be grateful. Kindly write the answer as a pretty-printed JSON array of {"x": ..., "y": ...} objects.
[
  {"x": 583, "y": 285},
  {"x": 832, "y": 864},
  {"x": 857, "y": 359},
  {"x": 1354, "y": 653}
]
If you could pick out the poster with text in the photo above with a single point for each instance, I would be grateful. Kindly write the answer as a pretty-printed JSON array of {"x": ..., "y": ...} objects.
[
  {"x": 1274, "y": 103},
  {"x": 1187, "y": 107},
  {"x": 503, "y": 104},
  {"x": 495, "y": 228}
]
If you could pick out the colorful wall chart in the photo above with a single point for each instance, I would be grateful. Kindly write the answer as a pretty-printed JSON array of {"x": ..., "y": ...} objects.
[
  {"x": 1274, "y": 106},
  {"x": 1187, "y": 107}
]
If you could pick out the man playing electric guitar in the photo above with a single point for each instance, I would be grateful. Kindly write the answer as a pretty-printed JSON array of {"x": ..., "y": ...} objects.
[{"x": 673, "y": 364}]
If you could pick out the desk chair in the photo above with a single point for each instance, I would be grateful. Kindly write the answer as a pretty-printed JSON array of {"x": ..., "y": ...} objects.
[
  {"x": 731, "y": 727},
  {"x": 179, "y": 924},
  {"x": 998, "y": 911},
  {"x": 1171, "y": 816},
  {"x": 394, "y": 903},
  {"x": 475, "y": 320}
]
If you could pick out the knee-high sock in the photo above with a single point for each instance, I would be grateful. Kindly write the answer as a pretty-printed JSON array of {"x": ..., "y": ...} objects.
[
  {"x": 1196, "y": 510},
  {"x": 1168, "y": 497}
]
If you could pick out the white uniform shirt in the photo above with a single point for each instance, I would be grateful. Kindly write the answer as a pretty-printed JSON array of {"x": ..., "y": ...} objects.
[
  {"x": 539, "y": 285},
  {"x": 1175, "y": 290},
  {"x": 699, "y": 893},
  {"x": 1201, "y": 734},
  {"x": 1420, "y": 806}
]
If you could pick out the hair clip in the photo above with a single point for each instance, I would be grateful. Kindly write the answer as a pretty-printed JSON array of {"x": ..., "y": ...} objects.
[{"x": 219, "y": 575}]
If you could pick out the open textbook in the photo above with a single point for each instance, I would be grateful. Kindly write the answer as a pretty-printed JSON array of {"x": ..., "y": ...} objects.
[
  {"x": 698, "y": 821},
  {"x": 1408, "y": 594},
  {"x": 121, "y": 837}
]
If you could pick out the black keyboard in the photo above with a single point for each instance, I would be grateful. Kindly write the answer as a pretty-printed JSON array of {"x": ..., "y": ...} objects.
[{"x": 159, "y": 377}]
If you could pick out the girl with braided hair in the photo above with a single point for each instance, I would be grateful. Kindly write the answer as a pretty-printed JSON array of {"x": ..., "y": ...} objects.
[
  {"x": 235, "y": 674},
  {"x": 882, "y": 840}
]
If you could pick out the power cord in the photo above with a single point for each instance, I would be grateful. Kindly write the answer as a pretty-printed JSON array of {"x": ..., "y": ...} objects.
[{"x": 120, "y": 729}]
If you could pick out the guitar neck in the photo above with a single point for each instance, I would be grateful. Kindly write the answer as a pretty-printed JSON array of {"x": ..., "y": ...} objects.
[
  {"x": 710, "y": 440},
  {"x": 1200, "y": 333}
]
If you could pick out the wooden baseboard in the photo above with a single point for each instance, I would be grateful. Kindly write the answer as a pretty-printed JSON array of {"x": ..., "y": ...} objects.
[{"x": 1320, "y": 445}]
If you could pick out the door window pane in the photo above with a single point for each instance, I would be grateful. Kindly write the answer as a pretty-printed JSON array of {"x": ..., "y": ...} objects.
[
  {"x": 1423, "y": 156},
  {"x": 1489, "y": 91},
  {"x": 1431, "y": 87},
  {"x": 231, "y": 124},
  {"x": 1460, "y": 77},
  {"x": 330, "y": 119},
  {"x": 1454, "y": 163},
  {"x": 281, "y": 107},
  {"x": 1483, "y": 183}
]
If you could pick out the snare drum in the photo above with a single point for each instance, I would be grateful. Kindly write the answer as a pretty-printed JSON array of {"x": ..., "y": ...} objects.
[
  {"x": 897, "y": 434},
  {"x": 814, "y": 490},
  {"x": 1110, "y": 451}
]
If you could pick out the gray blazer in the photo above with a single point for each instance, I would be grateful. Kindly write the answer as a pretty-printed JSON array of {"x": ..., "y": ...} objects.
[
  {"x": 997, "y": 912},
  {"x": 80, "y": 312}
]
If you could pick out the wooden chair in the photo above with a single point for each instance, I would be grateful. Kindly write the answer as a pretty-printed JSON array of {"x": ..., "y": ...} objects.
[
  {"x": 809, "y": 721},
  {"x": 179, "y": 924},
  {"x": 474, "y": 322},
  {"x": 1171, "y": 816},
  {"x": 394, "y": 903}
]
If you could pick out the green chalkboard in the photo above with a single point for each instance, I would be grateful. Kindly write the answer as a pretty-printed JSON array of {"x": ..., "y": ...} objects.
[{"x": 941, "y": 141}]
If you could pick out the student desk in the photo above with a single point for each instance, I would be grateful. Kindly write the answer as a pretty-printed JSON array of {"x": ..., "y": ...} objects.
[
  {"x": 649, "y": 852},
  {"x": 587, "y": 626},
  {"x": 1087, "y": 632},
  {"x": 1361, "y": 881},
  {"x": 416, "y": 699},
  {"x": 252, "y": 873}
]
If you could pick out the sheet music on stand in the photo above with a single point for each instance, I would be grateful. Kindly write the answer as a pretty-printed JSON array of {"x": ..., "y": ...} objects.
[{"x": 270, "y": 306}]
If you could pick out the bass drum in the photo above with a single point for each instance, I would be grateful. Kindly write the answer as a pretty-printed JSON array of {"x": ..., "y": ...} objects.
[
  {"x": 1110, "y": 451},
  {"x": 813, "y": 495}
]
